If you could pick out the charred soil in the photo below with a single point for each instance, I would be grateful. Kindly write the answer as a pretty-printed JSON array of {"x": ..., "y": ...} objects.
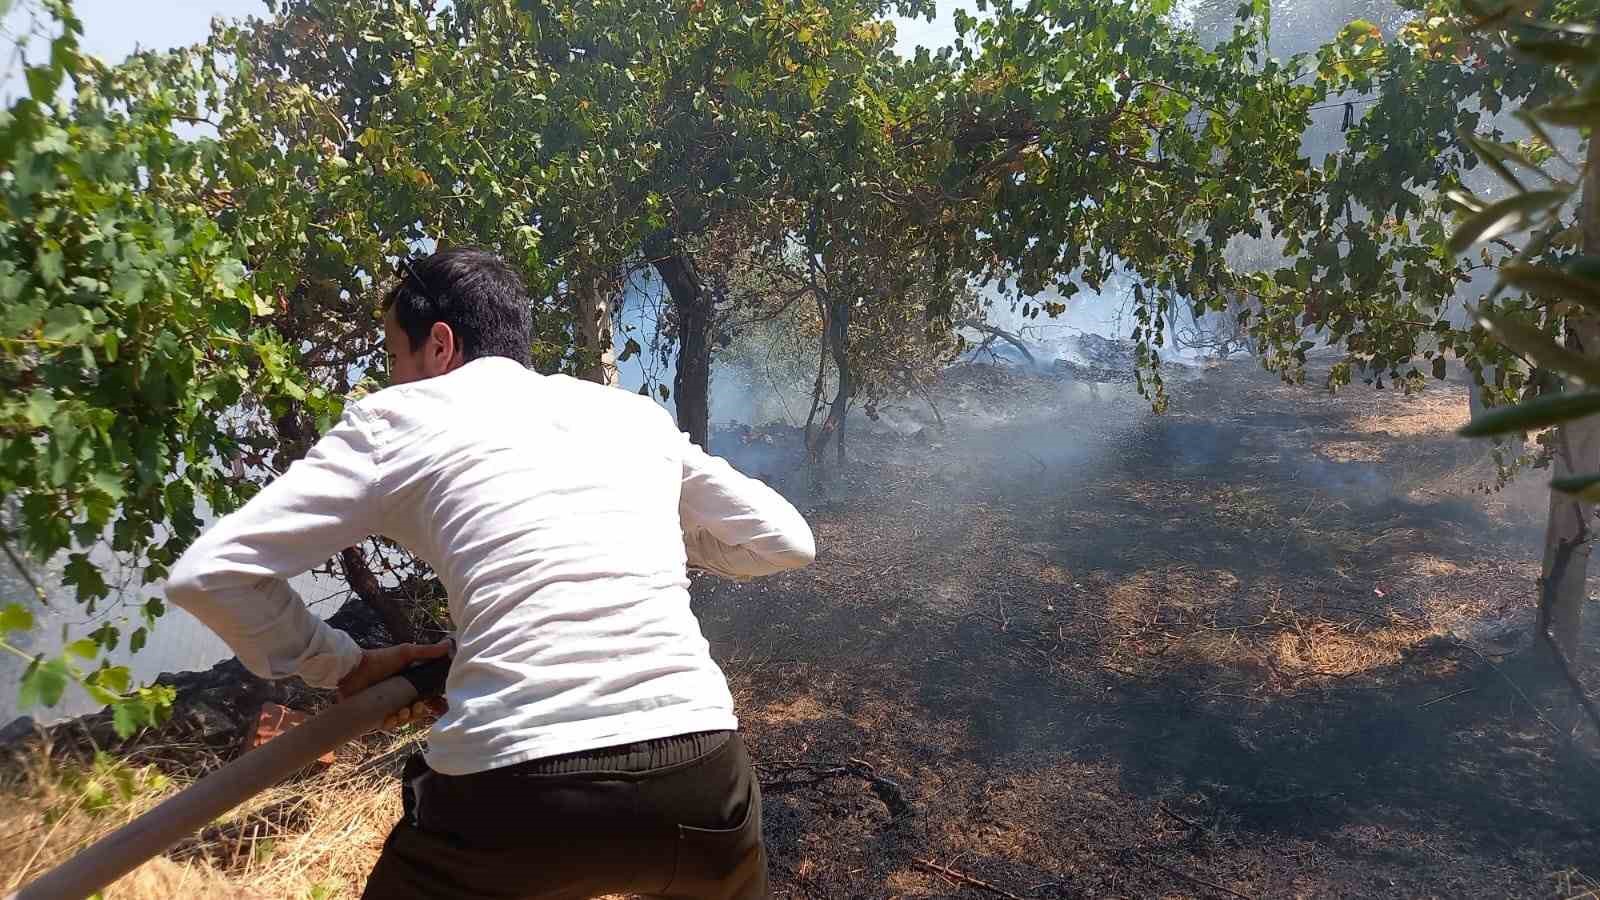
[{"x": 1263, "y": 645}]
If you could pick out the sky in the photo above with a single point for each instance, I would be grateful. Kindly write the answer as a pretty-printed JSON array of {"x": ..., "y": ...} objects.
[{"x": 112, "y": 29}]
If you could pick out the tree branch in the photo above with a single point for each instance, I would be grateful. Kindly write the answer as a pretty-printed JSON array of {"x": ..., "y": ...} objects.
[
  {"x": 1008, "y": 337},
  {"x": 365, "y": 584},
  {"x": 22, "y": 570},
  {"x": 962, "y": 878}
]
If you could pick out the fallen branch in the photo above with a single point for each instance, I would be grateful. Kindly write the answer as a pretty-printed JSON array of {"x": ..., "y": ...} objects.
[
  {"x": 1516, "y": 688},
  {"x": 1450, "y": 696},
  {"x": 1184, "y": 819},
  {"x": 886, "y": 790},
  {"x": 1190, "y": 878},
  {"x": 1002, "y": 334},
  {"x": 963, "y": 878}
]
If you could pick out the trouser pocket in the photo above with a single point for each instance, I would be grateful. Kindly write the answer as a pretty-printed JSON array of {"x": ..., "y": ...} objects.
[
  {"x": 716, "y": 863},
  {"x": 411, "y": 778}
]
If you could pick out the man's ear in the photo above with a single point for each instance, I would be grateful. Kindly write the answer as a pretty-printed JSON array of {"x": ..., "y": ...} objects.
[
  {"x": 444, "y": 348},
  {"x": 441, "y": 336}
]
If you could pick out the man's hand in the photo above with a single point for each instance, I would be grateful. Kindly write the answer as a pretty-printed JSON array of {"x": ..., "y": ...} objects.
[{"x": 376, "y": 665}]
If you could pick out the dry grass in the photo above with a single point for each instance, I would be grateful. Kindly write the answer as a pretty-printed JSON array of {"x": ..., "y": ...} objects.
[
  {"x": 1342, "y": 649},
  {"x": 317, "y": 836},
  {"x": 1350, "y": 451},
  {"x": 1285, "y": 650},
  {"x": 1158, "y": 619},
  {"x": 800, "y": 709},
  {"x": 1437, "y": 411}
]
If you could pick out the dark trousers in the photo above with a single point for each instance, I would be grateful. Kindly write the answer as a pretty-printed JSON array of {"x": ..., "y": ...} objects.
[{"x": 673, "y": 818}]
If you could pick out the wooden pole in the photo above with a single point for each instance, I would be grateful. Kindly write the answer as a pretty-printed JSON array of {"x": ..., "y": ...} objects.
[{"x": 203, "y": 802}]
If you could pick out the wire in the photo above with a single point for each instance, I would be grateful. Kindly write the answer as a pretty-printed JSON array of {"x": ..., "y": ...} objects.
[{"x": 1343, "y": 103}]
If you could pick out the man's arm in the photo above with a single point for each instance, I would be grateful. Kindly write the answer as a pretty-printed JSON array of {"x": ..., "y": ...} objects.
[
  {"x": 233, "y": 579},
  {"x": 733, "y": 525}
]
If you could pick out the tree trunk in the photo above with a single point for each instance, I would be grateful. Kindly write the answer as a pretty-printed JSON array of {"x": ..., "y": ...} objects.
[
  {"x": 361, "y": 580},
  {"x": 691, "y": 385},
  {"x": 593, "y": 310},
  {"x": 1577, "y": 452},
  {"x": 837, "y": 329},
  {"x": 822, "y": 371}
]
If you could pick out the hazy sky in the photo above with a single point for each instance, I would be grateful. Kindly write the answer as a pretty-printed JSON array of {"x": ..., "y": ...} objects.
[{"x": 114, "y": 28}]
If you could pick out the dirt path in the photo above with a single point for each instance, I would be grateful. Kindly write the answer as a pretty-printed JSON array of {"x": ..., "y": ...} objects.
[{"x": 1103, "y": 653}]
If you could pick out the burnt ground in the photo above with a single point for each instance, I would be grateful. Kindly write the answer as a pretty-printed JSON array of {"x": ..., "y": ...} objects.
[{"x": 1236, "y": 650}]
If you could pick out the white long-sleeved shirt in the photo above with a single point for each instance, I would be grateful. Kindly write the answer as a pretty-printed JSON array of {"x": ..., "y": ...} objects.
[{"x": 560, "y": 516}]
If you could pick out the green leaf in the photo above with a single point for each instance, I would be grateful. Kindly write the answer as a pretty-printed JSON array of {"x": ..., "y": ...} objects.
[
  {"x": 125, "y": 718},
  {"x": 50, "y": 265},
  {"x": 84, "y": 648},
  {"x": 1553, "y": 283},
  {"x": 1557, "y": 52},
  {"x": 43, "y": 683},
  {"x": 1527, "y": 118},
  {"x": 1533, "y": 415},
  {"x": 1494, "y": 155},
  {"x": 99, "y": 694},
  {"x": 1585, "y": 267},
  {"x": 114, "y": 678},
  {"x": 137, "y": 639},
  {"x": 64, "y": 323},
  {"x": 128, "y": 285},
  {"x": 1531, "y": 341},
  {"x": 1504, "y": 216},
  {"x": 15, "y": 617},
  {"x": 85, "y": 576},
  {"x": 1578, "y": 28},
  {"x": 43, "y": 81},
  {"x": 41, "y": 407},
  {"x": 108, "y": 482},
  {"x": 1575, "y": 113},
  {"x": 1585, "y": 487}
]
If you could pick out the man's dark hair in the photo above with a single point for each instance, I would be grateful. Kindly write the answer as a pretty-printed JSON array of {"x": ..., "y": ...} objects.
[{"x": 475, "y": 293}]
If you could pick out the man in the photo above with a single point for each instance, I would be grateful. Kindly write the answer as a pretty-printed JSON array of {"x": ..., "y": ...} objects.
[{"x": 589, "y": 745}]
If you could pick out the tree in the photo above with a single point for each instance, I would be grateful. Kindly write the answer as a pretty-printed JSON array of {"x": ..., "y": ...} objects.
[
  {"x": 1373, "y": 268},
  {"x": 759, "y": 106},
  {"x": 351, "y": 134},
  {"x": 130, "y": 331},
  {"x": 1085, "y": 140},
  {"x": 1557, "y": 268}
]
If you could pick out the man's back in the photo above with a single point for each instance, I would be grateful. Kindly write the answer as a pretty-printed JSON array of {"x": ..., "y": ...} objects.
[
  {"x": 587, "y": 723},
  {"x": 558, "y": 514},
  {"x": 549, "y": 508}
]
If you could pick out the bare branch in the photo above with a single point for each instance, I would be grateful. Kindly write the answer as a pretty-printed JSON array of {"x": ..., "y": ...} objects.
[{"x": 1008, "y": 337}]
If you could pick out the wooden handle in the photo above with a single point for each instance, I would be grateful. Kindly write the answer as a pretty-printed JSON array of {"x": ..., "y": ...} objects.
[{"x": 196, "y": 806}]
